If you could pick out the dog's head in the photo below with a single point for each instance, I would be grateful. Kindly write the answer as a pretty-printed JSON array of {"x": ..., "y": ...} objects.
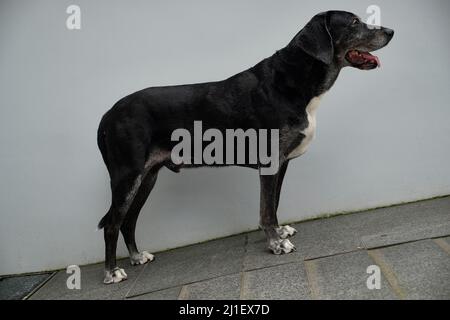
[{"x": 341, "y": 37}]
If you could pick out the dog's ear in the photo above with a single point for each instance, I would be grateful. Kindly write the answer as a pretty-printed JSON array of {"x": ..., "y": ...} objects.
[{"x": 315, "y": 39}]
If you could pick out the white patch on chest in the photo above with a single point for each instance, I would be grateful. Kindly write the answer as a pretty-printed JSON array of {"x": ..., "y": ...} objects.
[{"x": 310, "y": 130}]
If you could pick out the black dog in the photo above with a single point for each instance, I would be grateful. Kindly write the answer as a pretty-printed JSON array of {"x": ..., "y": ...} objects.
[{"x": 281, "y": 92}]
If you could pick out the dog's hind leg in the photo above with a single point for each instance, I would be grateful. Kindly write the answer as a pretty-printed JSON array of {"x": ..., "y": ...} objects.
[
  {"x": 123, "y": 193},
  {"x": 268, "y": 216},
  {"x": 129, "y": 224}
]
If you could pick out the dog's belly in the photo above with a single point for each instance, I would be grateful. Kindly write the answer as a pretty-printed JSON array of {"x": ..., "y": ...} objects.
[{"x": 309, "y": 131}]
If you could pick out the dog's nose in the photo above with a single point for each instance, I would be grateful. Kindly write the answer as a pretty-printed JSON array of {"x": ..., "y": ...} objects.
[{"x": 389, "y": 32}]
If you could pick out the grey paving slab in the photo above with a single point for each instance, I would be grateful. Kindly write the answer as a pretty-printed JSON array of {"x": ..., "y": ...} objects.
[
  {"x": 221, "y": 288},
  {"x": 409, "y": 219},
  {"x": 421, "y": 268},
  {"x": 345, "y": 277},
  {"x": 166, "y": 294},
  {"x": 321, "y": 238},
  {"x": 405, "y": 234},
  {"x": 288, "y": 281},
  {"x": 17, "y": 288},
  {"x": 384, "y": 226},
  {"x": 258, "y": 255},
  {"x": 191, "y": 264},
  {"x": 92, "y": 287}
]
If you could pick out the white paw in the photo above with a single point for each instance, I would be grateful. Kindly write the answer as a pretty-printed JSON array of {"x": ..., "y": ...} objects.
[
  {"x": 285, "y": 231},
  {"x": 115, "y": 276},
  {"x": 141, "y": 258},
  {"x": 281, "y": 246}
]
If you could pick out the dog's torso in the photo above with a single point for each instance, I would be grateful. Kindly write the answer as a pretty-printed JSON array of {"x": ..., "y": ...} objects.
[{"x": 274, "y": 94}]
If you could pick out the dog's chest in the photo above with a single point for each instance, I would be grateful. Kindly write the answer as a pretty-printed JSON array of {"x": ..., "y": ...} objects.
[{"x": 309, "y": 131}]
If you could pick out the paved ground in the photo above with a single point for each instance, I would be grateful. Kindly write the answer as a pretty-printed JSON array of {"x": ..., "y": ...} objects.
[{"x": 409, "y": 243}]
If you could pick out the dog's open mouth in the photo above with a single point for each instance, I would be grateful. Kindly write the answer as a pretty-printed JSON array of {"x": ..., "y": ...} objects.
[{"x": 362, "y": 60}]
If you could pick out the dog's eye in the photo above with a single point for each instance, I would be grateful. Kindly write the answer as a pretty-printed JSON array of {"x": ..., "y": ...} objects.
[{"x": 355, "y": 21}]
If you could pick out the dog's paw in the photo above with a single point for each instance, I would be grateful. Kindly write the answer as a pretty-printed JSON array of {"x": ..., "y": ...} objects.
[
  {"x": 141, "y": 258},
  {"x": 285, "y": 231},
  {"x": 281, "y": 246},
  {"x": 115, "y": 276}
]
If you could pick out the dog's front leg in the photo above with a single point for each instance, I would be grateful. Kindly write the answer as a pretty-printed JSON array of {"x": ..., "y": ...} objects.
[{"x": 268, "y": 215}]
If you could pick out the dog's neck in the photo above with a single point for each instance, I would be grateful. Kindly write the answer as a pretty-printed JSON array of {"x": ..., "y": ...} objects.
[{"x": 308, "y": 72}]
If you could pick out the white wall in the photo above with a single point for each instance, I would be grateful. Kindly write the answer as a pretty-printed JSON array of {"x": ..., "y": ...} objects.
[{"x": 383, "y": 136}]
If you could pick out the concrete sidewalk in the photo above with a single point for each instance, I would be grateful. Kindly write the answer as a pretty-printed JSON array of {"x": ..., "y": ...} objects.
[{"x": 409, "y": 243}]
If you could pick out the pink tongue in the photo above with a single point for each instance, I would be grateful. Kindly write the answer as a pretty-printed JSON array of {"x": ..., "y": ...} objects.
[{"x": 372, "y": 58}]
